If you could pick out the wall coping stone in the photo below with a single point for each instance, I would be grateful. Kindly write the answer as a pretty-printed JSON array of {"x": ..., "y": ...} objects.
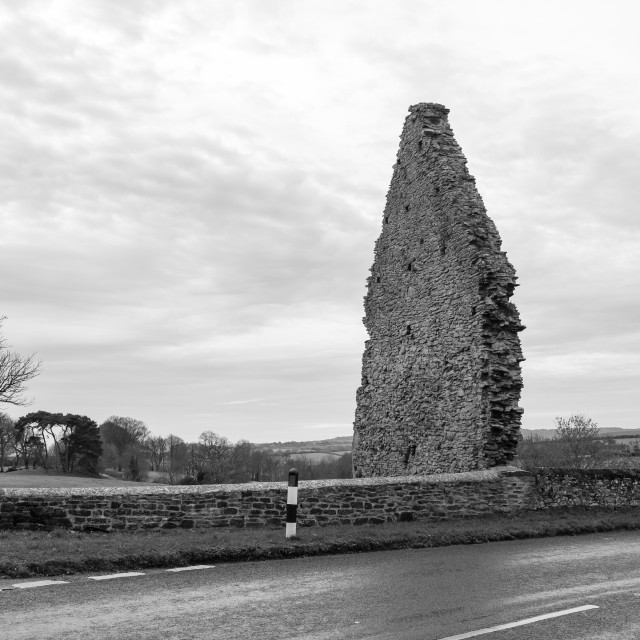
[{"x": 494, "y": 473}]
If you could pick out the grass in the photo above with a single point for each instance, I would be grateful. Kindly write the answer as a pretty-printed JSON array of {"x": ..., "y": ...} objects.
[
  {"x": 36, "y": 553},
  {"x": 42, "y": 479}
]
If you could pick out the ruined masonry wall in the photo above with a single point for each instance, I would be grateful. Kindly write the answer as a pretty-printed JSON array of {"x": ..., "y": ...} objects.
[{"x": 441, "y": 370}]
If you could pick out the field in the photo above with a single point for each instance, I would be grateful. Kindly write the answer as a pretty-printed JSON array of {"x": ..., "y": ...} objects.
[
  {"x": 41, "y": 479},
  {"x": 318, "y": 457}
]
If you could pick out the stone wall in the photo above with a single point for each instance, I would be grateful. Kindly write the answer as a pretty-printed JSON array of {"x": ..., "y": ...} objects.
[
  {"x": 321, "y": 502},
  {"x": 586, "y": 488},
  {"x": 440, "y": 373}
]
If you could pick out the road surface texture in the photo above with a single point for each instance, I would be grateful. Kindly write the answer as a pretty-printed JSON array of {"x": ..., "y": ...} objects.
[{"x": 423, "y": 594}]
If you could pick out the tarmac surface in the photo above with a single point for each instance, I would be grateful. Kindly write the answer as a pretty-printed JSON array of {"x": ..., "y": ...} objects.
[{"x": 568, "y": 588}]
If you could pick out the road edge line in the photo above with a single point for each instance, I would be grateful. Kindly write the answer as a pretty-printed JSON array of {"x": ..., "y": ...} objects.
[{"x": 520, "y": 623}]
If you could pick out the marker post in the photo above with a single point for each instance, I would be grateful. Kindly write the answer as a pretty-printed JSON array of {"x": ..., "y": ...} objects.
[{"x": 292, "y": 503}]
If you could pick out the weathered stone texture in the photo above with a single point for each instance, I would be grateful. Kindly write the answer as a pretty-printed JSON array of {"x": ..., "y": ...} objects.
[
  {"x": 568, "y": 488},
  {"x": 441, "y": 371},
  {"x": 321, "y": 502},
  {"x": 502, "y": 490}
]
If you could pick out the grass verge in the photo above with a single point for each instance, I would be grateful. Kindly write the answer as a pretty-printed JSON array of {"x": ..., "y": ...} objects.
[{"x": 25, "y": 554}]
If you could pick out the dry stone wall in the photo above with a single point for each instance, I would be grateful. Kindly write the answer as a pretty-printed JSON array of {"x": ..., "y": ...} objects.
[
  {"x": 134, "y": 508},
  {"x": 321, "y": 503},
  {"x": 568, "y": 488},
  {"x": 441, "y": 374}
]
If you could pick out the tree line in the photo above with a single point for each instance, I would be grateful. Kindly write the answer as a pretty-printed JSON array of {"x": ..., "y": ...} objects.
[
  {"x": 125, "y": 447},
  {"x": 132, "y": 450}
]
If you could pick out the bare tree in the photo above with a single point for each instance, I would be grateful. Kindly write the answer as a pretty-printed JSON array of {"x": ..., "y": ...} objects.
[
  {"x": 216, "y": 451},
  {"x": 156, "y": 448},
  {"x": 576, "y": 444},
  {"x": 240, "y": 459},
  {"x": 581, "y": 446},
  {"x": 215, "y": 447},
  {"x": 177, "y": 457},
  {"x": 15, "y": 372}
]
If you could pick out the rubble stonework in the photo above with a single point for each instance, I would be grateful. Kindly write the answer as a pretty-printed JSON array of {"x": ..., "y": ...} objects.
[
  {"x": 441, "y": 371},
  {"x": 320, "y": 502},
  {"x": 263, "y": 504}
]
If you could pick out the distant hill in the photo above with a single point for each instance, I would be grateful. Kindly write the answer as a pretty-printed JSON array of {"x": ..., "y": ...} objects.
[
  {"x": 343, "y": 444},
  {"x": 614, "y": 432},
  {"x": 332, "y": 446}
]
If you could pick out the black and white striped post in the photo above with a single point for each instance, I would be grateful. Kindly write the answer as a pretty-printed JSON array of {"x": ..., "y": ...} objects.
[{"x": 292, "y": 503}]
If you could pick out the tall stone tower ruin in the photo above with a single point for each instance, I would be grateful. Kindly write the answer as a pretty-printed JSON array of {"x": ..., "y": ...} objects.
[{"x": 441, "y": 371}]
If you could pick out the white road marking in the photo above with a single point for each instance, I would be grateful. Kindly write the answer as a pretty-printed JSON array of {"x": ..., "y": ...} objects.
[
  {"x": 116, "y": 575},
  {"x": 193, "y": 568},
  {"x": 39, "y": 583},
  {"x": 520, "y": 623}
]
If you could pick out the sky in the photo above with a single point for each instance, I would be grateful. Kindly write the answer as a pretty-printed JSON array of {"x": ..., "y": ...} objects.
[{"x": 190, "y": 192}]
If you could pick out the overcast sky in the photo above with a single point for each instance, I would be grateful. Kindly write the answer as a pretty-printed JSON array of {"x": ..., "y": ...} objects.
[{"x": 190, "y": 191}]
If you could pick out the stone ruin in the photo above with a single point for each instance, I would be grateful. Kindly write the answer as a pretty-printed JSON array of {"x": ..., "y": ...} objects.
[{"x": 441, "y": 373}]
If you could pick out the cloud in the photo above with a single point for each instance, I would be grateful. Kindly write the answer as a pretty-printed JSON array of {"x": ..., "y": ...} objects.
[{"x": 191, "y": 192}]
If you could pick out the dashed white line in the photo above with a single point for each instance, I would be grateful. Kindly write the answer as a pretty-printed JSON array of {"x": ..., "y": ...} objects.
[
  {"x": 39, "y": 583},
  {"x": 520, "y": 623},
  {"x": 113, "y": 576},
  {"x": 116, "y": 575}
]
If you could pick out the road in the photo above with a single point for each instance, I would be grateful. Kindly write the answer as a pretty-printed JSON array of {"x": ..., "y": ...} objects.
[{"x": 425, "y": 594}]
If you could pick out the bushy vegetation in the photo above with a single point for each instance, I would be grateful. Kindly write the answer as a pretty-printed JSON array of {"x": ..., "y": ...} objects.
[{"x": 577, "y": 444}]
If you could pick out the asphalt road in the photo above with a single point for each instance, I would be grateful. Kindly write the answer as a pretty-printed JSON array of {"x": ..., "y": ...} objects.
[{"x": 425, "y": 594}]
